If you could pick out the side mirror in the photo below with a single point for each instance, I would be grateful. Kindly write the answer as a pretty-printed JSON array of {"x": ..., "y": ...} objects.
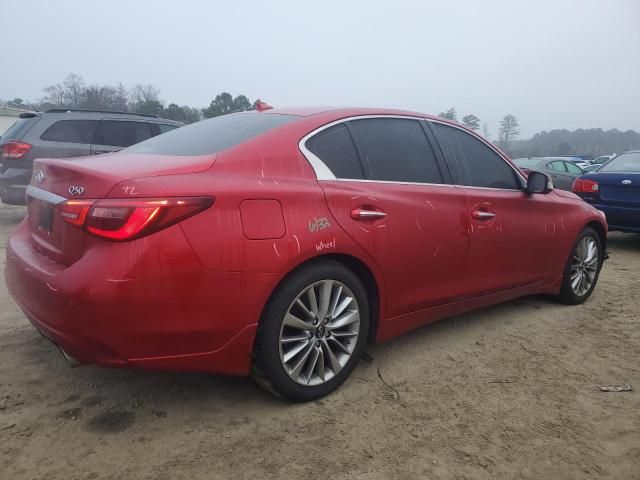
[{"x": 538, "y": 182}]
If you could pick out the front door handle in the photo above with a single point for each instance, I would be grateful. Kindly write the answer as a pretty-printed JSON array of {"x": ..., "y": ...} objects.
[
  {"x": 481, "y": 215},
  {"x": 365, "y": 213}
]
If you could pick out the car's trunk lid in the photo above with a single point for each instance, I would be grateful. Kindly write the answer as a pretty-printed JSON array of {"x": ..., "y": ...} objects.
[
  {"x": 56, "y": 181},
  {"x": 619, "y": 187}
]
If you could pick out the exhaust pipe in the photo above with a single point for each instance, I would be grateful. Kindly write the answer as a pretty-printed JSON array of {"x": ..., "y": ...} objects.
[{"x": 73, "y": 362}]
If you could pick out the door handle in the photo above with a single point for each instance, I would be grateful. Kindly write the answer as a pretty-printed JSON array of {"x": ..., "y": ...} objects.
[
  {"x": 363, "y": 213},
  {"x": 481, "y": 215}
]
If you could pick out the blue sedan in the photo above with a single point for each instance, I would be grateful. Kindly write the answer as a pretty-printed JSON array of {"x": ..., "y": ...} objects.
[{"x": 615, "y": 189}]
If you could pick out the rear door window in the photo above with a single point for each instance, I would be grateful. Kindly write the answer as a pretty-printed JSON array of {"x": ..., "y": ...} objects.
[
  {"x": 573, "y": 168},
  {"x": 474, "y": 163},
  {"x": 557, "y": 166},
  {"x": 395, "y": 149},
  {"x": 71, "y": 131},
  {"x": 335, "y": 148},
  {"x": 122, "y": 133}
]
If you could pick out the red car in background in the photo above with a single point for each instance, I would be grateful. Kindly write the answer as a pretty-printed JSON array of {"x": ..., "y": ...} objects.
[{"x": 279, "y": 242}]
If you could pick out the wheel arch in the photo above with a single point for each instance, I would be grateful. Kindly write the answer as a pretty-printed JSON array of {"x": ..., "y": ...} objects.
[
  {"x": 602, "y": 233},
  {"x": 359, "y": 268}
]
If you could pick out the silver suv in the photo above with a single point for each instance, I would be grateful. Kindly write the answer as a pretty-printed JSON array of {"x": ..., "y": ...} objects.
[{"x": 62, "y": 133}]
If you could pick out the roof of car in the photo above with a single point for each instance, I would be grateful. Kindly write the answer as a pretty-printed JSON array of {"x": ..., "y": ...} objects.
[
  {"x": 97, "y": 114},
  {"x": 346, "y": 111}
]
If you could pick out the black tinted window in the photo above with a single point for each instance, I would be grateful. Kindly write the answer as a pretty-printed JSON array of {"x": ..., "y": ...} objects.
[
  {"x": 335, "y": 148},
  {"x": 473, "y": 162},
  {"x": 121, "y": 133},
  {"x": 396, "y": 150},
  {"x": 73, "y": 131},
  {"x": 212, "y": 135}
]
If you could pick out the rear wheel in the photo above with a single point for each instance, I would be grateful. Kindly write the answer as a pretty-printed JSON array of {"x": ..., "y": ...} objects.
[
  {"x": 312, "y": 333},
  {"x": 583, "y": 268}
]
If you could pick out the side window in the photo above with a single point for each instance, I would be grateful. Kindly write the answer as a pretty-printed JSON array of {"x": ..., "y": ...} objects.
[
  {"x": 72, "y": 131},
  {"x": 395, "y": 149},
  {"x": 335, "y": 148},
  {"x": 557, "y": 166},
  {"x": 122, "y": 133},
  {"x": 573, "y": 168},
  {"x": 164, "y": 128},
  {"x": 474, "y": 162}
]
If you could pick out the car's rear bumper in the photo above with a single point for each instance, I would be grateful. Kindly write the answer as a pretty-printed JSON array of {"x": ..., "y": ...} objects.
[
  {"x": 147, "y": 303},
  {"x": 621, "y": 218},
  {"x": 13, "y": 185}
]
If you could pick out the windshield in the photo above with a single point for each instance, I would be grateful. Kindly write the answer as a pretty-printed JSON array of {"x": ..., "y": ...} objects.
[
  {"x": 625, "y": 162},
  {"x": 212, "y": 135}
]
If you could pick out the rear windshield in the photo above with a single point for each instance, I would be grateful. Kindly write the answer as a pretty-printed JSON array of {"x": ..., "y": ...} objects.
[
  {"x": 212, "y": 135},
  {"x": 16, "y": 130},
  {"x": 624, "y": 163}
]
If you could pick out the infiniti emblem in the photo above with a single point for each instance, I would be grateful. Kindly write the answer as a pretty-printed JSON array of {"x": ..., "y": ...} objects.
[
  {"x": 627, "y": 182},
  {"x": 39, "y": 176}
]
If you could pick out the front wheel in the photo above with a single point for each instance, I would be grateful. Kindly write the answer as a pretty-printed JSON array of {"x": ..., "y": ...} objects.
[
  {"x": 312, "y": 332},
  {"x": 582, "y": 268}
]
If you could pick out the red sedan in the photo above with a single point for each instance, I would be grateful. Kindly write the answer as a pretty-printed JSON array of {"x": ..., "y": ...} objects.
[{"x": 279, "y": 242}]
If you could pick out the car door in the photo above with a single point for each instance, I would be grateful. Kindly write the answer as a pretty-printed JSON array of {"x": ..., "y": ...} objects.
[
  {"x": 573, "y": 172},
  {"x": 66, "y": 138},
  {"x": 388, "y": 191},
  {"x": 511, "y": 232},
  {"x": 559, "y": 175},
  {"x": 113, "y": 135}
]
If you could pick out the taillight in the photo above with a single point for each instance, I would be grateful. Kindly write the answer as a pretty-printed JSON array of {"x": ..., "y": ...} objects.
[
  {"x": 75, "y": 211},
  {"x": 121, "y": 220},
  {"x": 584, "y": 185},
  {"x": 15, "y": 150}
]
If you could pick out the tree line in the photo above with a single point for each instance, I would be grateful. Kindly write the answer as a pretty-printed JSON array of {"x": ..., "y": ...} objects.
[
  {"x": 508, "y": 131},
  {"x": 73, "y": 92}
]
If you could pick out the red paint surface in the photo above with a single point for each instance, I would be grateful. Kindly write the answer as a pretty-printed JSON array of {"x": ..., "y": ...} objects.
[{"x": 190, "y": 296}]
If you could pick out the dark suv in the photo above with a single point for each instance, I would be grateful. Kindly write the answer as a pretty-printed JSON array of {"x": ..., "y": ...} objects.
[{"x": 62, "y": 133}]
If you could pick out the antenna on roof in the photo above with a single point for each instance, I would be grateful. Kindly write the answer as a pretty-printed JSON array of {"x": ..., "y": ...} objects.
[{"x": 262, "y": 106}]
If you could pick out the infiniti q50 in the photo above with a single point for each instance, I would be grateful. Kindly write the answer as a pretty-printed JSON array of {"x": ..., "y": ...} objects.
[{"x": 279, "y": 242}]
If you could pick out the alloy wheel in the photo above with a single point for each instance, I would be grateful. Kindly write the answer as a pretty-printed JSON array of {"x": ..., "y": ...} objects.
[
  {"x": 319, "y": 332},
  {"x": 584, "y": 266}
]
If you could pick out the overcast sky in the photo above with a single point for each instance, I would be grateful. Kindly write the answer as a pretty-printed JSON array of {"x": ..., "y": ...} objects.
[{"x": 552, "y": 63}]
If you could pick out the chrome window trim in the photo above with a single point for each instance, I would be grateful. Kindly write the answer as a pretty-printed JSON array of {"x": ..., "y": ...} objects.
[
  {"x": 323, "y": 172},
  {"x": 44, "y": 195}
]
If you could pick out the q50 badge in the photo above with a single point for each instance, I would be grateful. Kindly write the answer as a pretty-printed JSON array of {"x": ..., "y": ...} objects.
[{"x": 76, "y": 190}]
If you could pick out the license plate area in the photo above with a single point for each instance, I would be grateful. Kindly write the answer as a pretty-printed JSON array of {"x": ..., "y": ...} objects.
[{"x": 45, "y": 216}]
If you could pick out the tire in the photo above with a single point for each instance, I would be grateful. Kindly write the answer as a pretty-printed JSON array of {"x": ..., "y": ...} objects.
[
  {"x": 584, "y": 265},
  {"x": 302, "y": 369}
]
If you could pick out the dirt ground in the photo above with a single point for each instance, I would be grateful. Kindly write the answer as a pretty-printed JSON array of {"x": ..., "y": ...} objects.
[{"x": 507, "y": 392}]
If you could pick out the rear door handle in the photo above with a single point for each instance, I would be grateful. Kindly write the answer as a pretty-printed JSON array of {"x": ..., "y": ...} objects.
[
  {"x": 364, "y": 213},
  {"x": 481, "y": 215}
]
